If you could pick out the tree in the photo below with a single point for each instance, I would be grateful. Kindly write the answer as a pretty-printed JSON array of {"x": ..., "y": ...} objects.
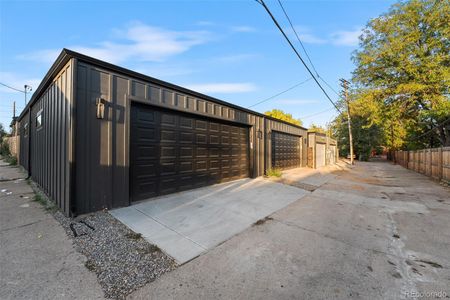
[
  {"x": 403, "y": 68},
  {"x": 281, "y": 115},
  {"x": 317, "y": 128},
  {"x": 367, "y": 134},
  {"x": 3, "y": 132}
]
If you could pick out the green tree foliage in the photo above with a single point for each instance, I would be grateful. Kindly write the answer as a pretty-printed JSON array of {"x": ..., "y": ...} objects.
[
  {"x": 367, "y": 134},
  {"x": 281, "y": 115},
  {"x": 403, "y": 74},
  {"x": 317, "y": 128}
]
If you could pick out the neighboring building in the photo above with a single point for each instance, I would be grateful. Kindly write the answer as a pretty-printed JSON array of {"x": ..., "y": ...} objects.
[
  {"x": 322, "y": 150},
  {"x": 95, "y": 135}
]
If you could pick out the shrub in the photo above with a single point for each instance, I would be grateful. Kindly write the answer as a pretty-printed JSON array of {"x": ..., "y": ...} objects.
[{"x": 274, "y": 173}]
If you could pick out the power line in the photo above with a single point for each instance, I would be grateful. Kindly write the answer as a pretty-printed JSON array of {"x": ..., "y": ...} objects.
[
  {"x": 296, "y": 52},
  {"x": 280, "y": 93},
  {"x": 316, "y": 114},
  {"x": 298, "y": 38},
  {"x": 304, "y": 49},
  {"x": 431, "y": 130},
  {"x": 10, "y": 87}
]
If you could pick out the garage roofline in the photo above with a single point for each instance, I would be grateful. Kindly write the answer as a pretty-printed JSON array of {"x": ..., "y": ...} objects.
[{"x": 67, "y": 54}]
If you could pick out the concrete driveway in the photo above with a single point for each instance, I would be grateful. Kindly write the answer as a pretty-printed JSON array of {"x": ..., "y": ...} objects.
[
  {"x": 187, "y": 224},
  {"x": 373, "y": 231}
]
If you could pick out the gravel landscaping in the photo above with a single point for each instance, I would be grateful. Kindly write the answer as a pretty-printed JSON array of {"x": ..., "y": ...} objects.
[{"x": 121, "y": 258}]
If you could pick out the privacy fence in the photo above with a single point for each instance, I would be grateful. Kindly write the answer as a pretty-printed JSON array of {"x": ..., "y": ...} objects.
[{"x": 433, "y": 162}]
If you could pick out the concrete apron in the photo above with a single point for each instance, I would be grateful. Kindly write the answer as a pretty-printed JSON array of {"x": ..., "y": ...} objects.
[{"x": 187, "y": 224}]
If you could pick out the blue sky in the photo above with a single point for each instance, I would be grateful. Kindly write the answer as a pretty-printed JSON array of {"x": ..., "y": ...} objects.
[{"x": 227, "y": 49}]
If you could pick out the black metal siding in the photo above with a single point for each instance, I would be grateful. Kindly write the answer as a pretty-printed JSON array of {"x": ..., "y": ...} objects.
[
  {"x": 49, "y": 161},
  {"x": 272, "y": 125}
]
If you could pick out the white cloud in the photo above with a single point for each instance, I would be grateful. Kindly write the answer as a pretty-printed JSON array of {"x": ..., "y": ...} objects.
[
  {"x": 136, "y": 41},
  {"x": 338, "y": 38},
  {"x": 243, "y": 29},
  {"x": 222, "y": 88},
  {"x": 346, "y": 38},
  {"x": 296, "y": 101},
  {"x": 306, "y": 36}
]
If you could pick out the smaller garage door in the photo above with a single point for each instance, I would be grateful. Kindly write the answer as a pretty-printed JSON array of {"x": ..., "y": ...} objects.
[
  {"x": 320, "y": 155},
  {"x": 285, "y": 150},
  {"x": 332, "y": 155}
]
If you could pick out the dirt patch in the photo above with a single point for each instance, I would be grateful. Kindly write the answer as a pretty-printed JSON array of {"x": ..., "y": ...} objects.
[
  {"x": 431, "y": 263},
  {"x": 262, "y": 221}
]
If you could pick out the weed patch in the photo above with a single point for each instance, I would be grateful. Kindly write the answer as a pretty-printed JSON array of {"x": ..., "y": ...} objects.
[
  {"x": 262, "y": 221},
  {"x": 274, "y": 173}
]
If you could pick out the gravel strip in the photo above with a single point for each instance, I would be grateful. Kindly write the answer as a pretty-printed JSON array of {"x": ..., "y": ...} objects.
[{"x": 121, "y": 258}]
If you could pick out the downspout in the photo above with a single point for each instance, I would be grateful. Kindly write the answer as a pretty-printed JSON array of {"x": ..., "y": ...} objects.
[
  {"x": 265, "y": 146},
  {"x": 29, "y": 143}
]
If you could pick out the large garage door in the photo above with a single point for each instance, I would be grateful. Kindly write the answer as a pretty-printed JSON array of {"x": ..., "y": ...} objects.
[
  {"x": 173, "y": 151},
  {"x": 285, "y": 150},
  {"x": 320, "y": 155}
]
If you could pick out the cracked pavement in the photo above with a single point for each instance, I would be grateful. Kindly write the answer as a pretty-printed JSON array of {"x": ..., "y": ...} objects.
[
  {"x": 372, "y": 231},
  {"x": 37, "y": 259}
]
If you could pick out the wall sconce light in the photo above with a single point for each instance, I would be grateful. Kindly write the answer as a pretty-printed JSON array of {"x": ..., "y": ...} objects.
[
  {"x": 100, "y": 103},
  {"x": 259, "y": 134}
]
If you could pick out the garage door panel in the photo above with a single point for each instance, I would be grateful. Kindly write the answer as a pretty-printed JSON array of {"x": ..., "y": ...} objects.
[
  {"x": 168, "y": 136},
  {"x": 285, "y": 150},
  {"x": 174, "y": 151}
]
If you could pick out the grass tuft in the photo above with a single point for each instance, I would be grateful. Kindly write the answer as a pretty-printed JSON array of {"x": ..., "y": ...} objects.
[
  {"x": 274, "y": 173},
  {"x": 48, "y": 205},
  {"x": 133, "y": 235}
]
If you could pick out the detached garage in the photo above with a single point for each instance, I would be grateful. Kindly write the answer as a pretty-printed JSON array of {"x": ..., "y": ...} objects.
[
  {"x": 322, "y": 150},
  {"x": 95, "y": 136}
]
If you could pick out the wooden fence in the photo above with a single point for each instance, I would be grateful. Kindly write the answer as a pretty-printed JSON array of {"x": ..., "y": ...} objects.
[
  {"x": 13, "y": 143},
  {"x": 433, "y": 162}
]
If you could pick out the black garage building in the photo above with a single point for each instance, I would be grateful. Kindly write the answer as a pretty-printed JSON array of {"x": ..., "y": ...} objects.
[{"x": 95, "y": 135}]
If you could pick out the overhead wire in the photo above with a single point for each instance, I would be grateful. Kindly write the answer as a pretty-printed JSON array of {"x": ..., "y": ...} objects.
[
  {"x": 304, "y": 49},
  {"x": 296, "y": 52},
  {"x": 280, "y": 93},
  {"x": 10, "y": 87}
]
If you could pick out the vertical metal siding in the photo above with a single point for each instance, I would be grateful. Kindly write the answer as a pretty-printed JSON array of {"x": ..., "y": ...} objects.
[
  {"x": 49, "y": 143},
  {"x": 273, "y": 125},
  {"x": 102, "y": 145}
]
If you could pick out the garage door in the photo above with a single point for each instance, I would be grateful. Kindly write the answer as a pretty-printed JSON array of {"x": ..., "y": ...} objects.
[
  {"x": 320, "y": 155},
  {"x": 285, "y": 150},
  {"x": 332, "y": 155},
  {"x": 173, "y": 151}
]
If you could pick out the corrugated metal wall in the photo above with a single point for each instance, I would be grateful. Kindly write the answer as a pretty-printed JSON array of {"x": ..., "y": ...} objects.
[
  {"x": 272, "y": 125},
  {"x": 50, "y": 163},
  {"x": 102, "y": 145},
  {"x": 24, "y": 143}
]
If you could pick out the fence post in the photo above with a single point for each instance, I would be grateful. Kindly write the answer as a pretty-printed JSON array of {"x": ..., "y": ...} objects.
[{"x": 440, "y": 164}]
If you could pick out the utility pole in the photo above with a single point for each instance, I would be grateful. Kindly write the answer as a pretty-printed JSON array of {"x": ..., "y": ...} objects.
[
  {"x": 26, "y": 89},
  {"x": 345, "y": 84},
  {"x": 14, "y": 109}
]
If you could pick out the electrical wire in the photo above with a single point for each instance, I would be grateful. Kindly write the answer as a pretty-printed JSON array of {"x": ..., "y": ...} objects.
[
  {"x": 304, "y": 49},
  {"x": 10, "y": 87},
  {"x": 298, "y": 37},
  {"x": 316, "y": 114},
  {"x": 280, "y": 93},
  {"x": 431, "y": 130},
  {"x": 296, "y": 52}
]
